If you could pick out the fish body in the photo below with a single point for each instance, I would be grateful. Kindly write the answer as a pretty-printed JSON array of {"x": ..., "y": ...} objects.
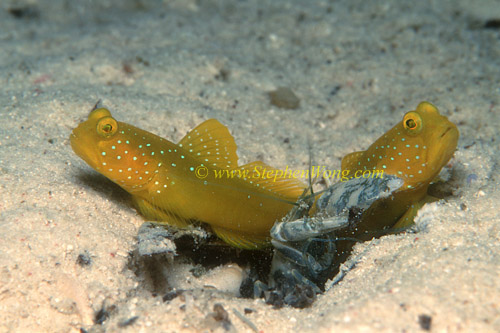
[
  {"x": 414, "y": 150},
  {"x": 189, "y": 181},
  {"x": 310, "y": 245}
]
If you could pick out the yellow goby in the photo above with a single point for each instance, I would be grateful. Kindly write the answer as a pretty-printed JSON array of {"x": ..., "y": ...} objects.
[
  {"x": 415, "y": 150},
  {"x": 189, "y": 181}
]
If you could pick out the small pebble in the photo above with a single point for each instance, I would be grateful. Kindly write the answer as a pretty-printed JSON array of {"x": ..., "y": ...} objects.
[
  {"x": 128, "y": 322},
  {"x": 284, "y": 98},
  {"x": 221, "y": 316},
  {"x": 425, "y": 322},
  {"x": 84, "y": 259},
  {"x": 492, "y": 24}
]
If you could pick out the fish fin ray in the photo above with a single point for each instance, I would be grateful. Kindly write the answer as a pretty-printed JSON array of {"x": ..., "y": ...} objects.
[
  {"x": 409, "y": 216},
  {"x": 289, "y": 188},
  {"x": 154, "y": 213},
  {"x": 212, "y": 143},
  {"x": 242, "y": 241}
]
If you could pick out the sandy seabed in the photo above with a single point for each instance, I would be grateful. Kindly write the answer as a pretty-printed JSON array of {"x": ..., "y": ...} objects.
[{"x": 165, "y": 66}]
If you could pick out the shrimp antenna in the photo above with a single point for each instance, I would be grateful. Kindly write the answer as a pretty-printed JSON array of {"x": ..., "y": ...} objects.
[
  {"x": 310, "y": 199},
  {"x": 307, "y": 198}
]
